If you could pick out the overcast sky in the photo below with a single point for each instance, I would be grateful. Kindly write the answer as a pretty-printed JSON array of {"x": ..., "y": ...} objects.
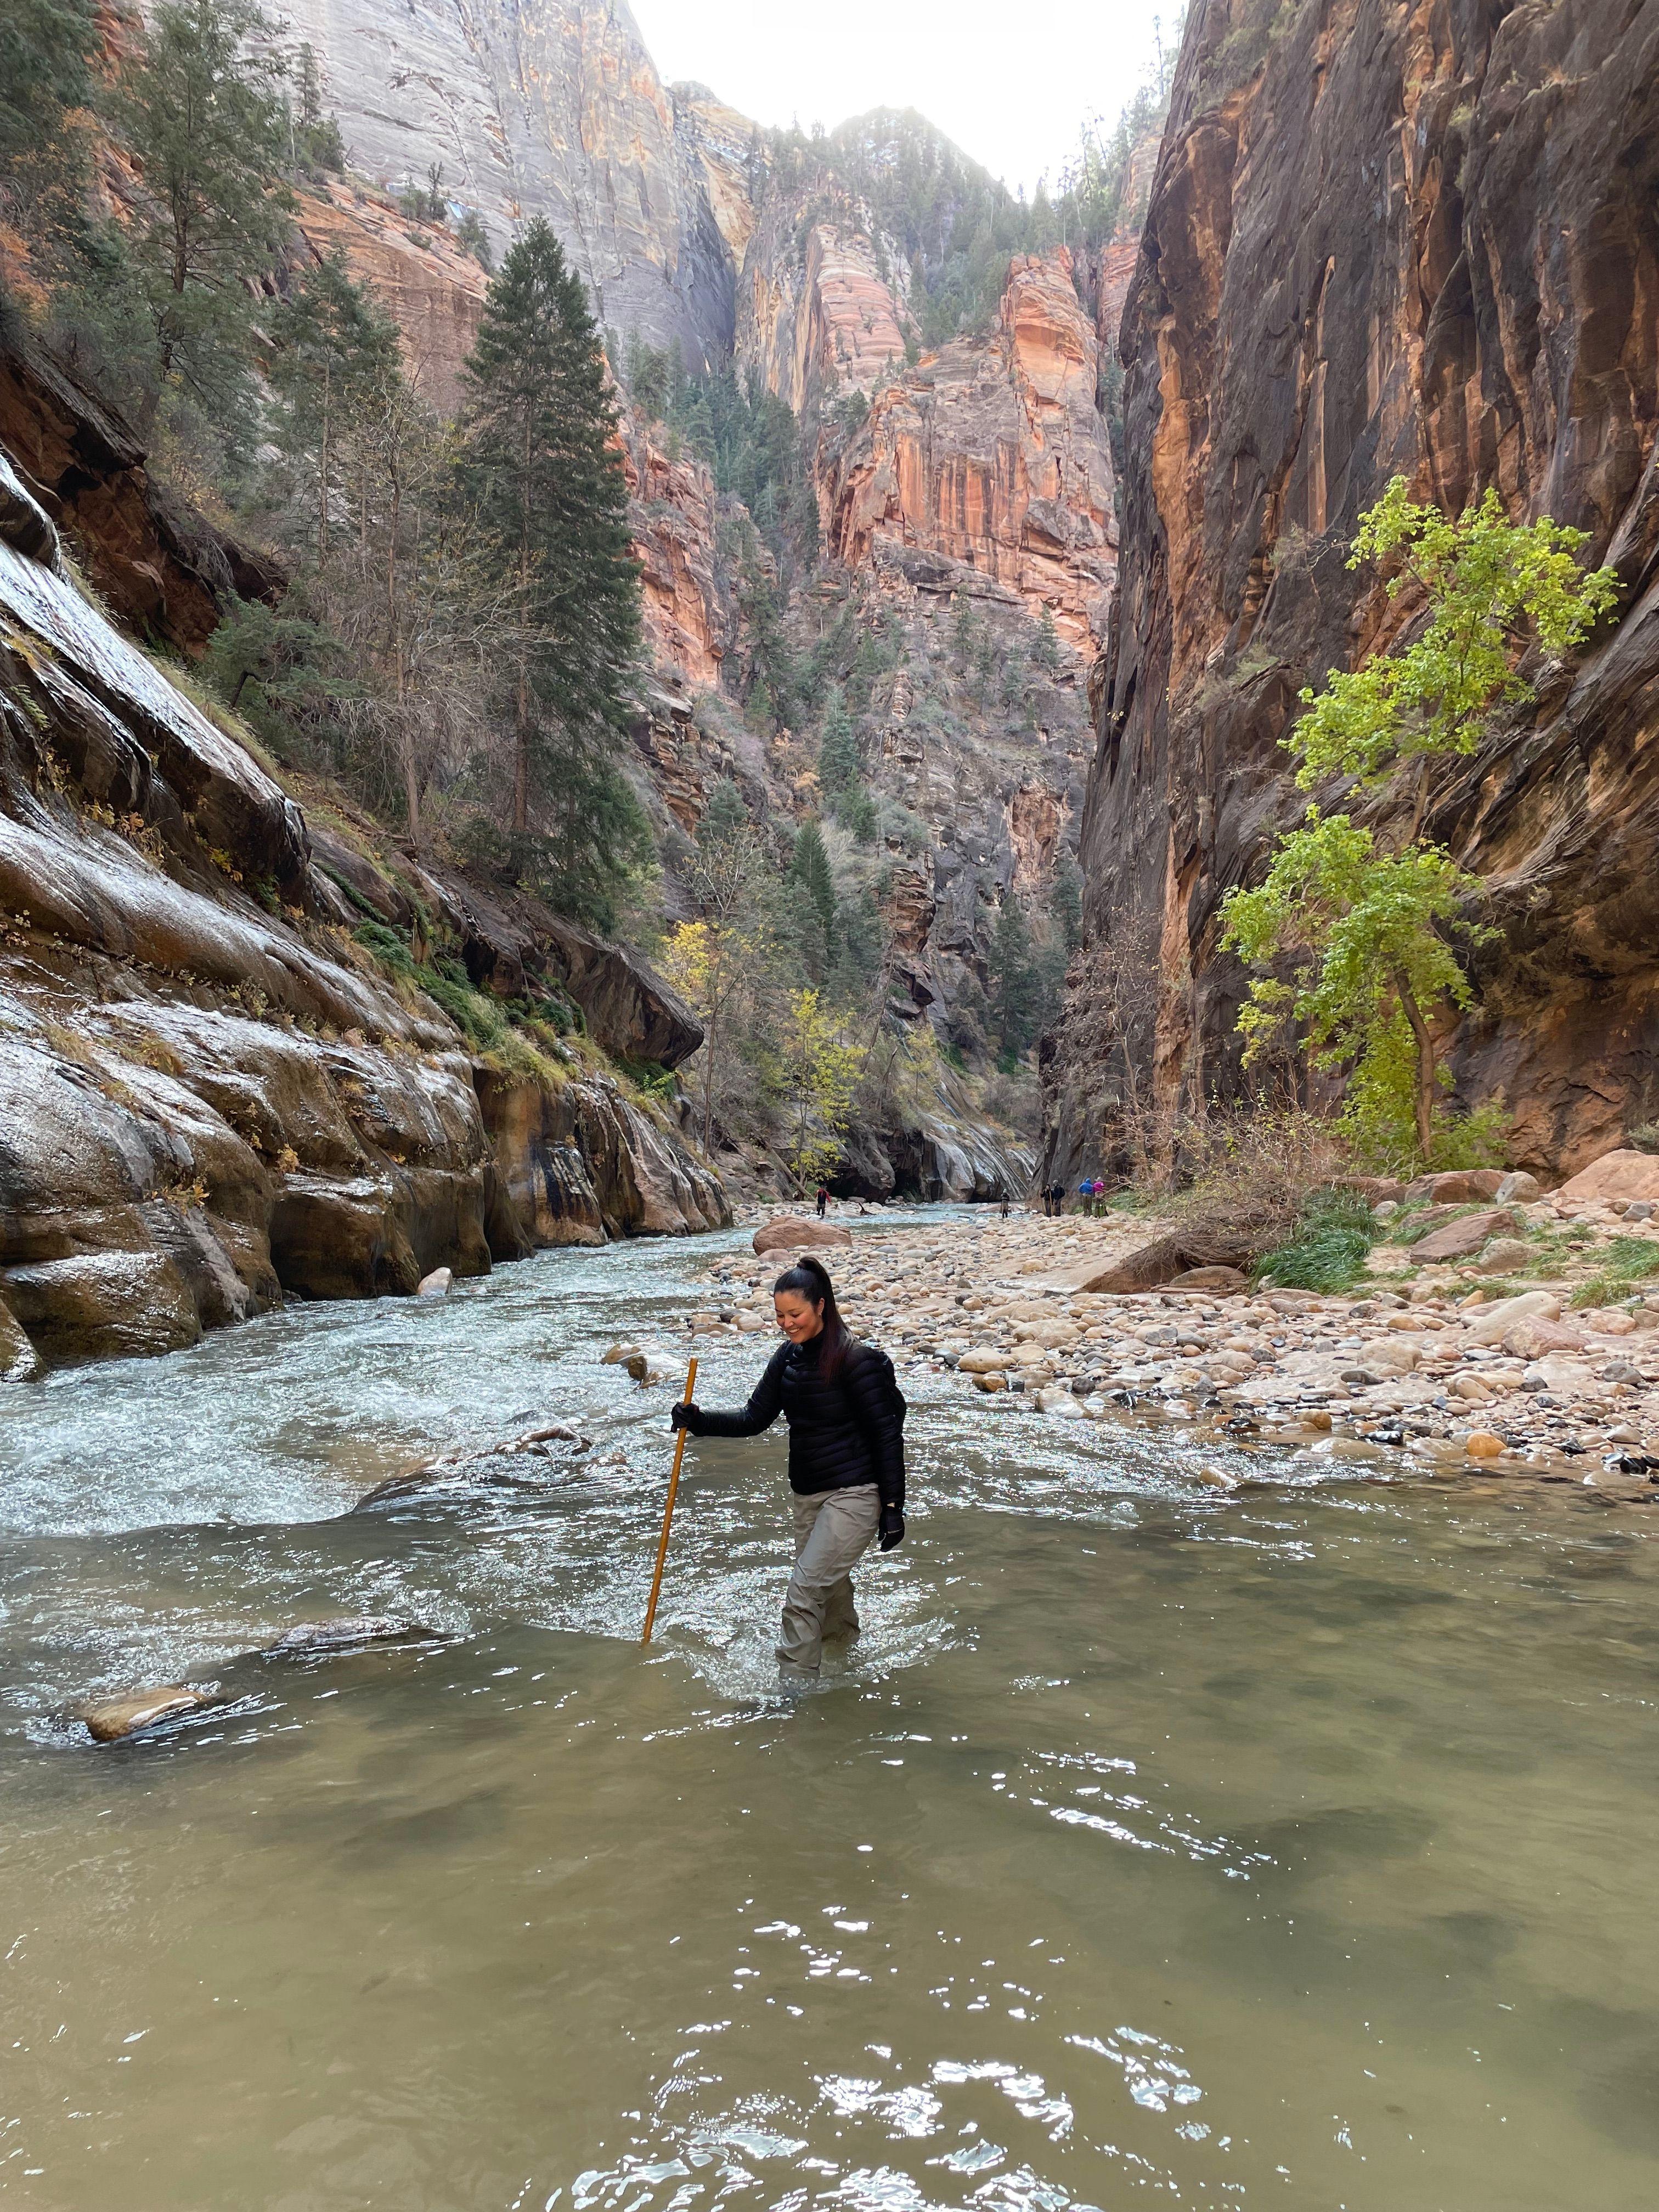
[{"x": 1013, "y": 86}]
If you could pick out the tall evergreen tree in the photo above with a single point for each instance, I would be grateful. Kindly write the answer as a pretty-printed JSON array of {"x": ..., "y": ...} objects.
[
  {"x": 809, "y": 872},
  {"x": 1066, "y": 900},
  {"x": 838, "y": 746},
  {"x": 540, "y": 466},
  {"x": 1013, "y": 982},
  {"x": 336, "y": 352},
  {"x": 44, "y": 50},
  {"x": 201, "y": 111}
]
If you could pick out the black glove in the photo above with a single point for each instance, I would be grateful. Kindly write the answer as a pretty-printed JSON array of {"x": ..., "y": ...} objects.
[
  {"x": 892, "y": 1527},
  {"x": 687, "y": 1415}
]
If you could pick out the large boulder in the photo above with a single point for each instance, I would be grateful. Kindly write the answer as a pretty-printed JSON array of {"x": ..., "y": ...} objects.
[
  {"x": 1151, "y": 1266},
  {"x": 112, "y": 1720},
  {"x": 19, "y": 1361},
  {"x": 1458, "y": 1186},
  {"x": 103, "y": 1305},
  {"x": 1466, "y": 1235},
  {"x": 1620, "y": 1174},
  {"x": 793, "y": 1232},
  {"x": 1490, "y": 1323}
]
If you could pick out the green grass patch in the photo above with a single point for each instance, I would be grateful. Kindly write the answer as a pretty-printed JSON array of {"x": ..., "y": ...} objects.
[
  {"x": 389, "y": 946},
  {"x": 1334, "y": 1232},
  {"x": 1631, "y": 1261}
]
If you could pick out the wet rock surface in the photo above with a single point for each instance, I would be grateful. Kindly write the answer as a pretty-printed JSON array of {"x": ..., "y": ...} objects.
[
  {"x": 210, "y": 1094},
  {"x": 112, "y": 1720},
  {"x": 119, "y": 1718}
]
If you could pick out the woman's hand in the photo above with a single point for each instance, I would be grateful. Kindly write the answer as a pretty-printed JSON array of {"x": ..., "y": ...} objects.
[
  {"x": 686, "y": 1415},
  {"x": 892, "y": 1528}
]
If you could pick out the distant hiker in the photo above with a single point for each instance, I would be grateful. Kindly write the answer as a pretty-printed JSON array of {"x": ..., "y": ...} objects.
[
  {"x": 823, "y": 1201},
  {"x": 846, "y": 1416},
  {"x": 1002, "y": 1196},
  {"x": 1098, "y": 1191}
]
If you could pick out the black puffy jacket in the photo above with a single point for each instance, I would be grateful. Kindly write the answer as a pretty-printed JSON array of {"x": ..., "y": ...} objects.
[{"x": 843, "y": 1430}]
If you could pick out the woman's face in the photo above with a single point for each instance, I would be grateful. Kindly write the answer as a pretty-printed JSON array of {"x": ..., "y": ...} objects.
[{"x": 797, "y": 1317}]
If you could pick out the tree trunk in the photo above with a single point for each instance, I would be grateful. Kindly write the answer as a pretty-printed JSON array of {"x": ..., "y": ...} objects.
[
  {"x": 322, "y": 473},
  {"x": 1423, "y": 1103},
  {"x": 708, "y": 1091},
  {"x": 521, "y": 759}
]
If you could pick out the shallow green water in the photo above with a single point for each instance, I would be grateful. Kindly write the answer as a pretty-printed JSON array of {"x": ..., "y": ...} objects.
[{"x": 1288, "y": 1847}]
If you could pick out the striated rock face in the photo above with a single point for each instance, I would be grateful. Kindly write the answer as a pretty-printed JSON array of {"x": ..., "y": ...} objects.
[
  {"x": 728, "y": 152},
  {"x": 541, "y": 107},
  {"x": 415, "y": 271},
  {"x": 686, "y": 611},
  {"x": 210, "y": 1094},
  {"x": 817, "y": 313},
  {"x": 1417, "y": 239},
  {"x": 995, "y": 459}
]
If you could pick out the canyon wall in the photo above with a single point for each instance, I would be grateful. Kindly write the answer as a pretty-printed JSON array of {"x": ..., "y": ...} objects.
[
  {"x": 549, "y": 107},
  {"x": 213, "y": 1089},
  {"x": 1413, "y": 237},
  {"x": 992, "y": 456}
]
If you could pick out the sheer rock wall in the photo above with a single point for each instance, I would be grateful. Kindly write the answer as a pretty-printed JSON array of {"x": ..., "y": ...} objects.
[
  {"x": 1392, "y": 236},
  {"x": 547, "y": 107},
  {"x": 993, "y": 457}
]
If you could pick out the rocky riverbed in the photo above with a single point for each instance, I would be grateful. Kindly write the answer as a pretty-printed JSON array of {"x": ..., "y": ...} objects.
[{"x": 1552, "y": 1373}]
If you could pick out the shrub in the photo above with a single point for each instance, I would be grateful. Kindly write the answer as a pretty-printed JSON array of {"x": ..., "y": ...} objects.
[
  {"x": 1644, "y": 1138},
  {"x": 1251, "y": 1175},
  {"x": 389, "y": 946}
]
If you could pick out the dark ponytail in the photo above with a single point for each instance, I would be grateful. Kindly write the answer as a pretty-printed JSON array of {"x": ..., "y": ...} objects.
[{"x": 810, "y": 1279}]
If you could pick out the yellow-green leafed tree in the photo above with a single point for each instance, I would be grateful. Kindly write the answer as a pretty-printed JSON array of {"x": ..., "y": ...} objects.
[
  {"x": 1362, "y": 919},
  {"x": 715, "y": 967},
  {"x": 820, "y": 1072}
]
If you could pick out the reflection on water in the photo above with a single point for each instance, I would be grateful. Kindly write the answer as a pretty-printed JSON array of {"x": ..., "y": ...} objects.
[{"x": 1152, "y": 1845}]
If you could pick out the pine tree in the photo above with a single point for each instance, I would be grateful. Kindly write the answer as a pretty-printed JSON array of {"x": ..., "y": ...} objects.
[
  {"x": 45, "y": 45},
  {"x": 336, "y": 351},
  {"x": 838, "y": 747},
  {"x": 203, "y": 115},
  {"x": 809, "y": 871},
  {"x": 541, "y": 471},
  {"x": 725, "y": 817},
  {"x": 1066, "y": 900},
  {"x": 1013, "y": 982}
]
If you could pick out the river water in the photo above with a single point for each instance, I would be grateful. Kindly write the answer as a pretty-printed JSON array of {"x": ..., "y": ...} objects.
[{"x": 1154, "y": 1845}]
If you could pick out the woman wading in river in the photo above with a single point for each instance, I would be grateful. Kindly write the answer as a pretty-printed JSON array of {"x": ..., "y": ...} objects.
[{"x": 846, "y": 1459}]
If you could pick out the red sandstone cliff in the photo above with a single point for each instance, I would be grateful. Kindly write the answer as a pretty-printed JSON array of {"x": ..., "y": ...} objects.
[
  {"x": 816, "y": 312},
  {"x": 994, "y": 456},
  {"x": 1412, "y": 236}
]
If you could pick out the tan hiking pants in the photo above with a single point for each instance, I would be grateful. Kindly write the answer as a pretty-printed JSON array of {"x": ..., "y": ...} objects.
[{"x": 833, "y": 1529}]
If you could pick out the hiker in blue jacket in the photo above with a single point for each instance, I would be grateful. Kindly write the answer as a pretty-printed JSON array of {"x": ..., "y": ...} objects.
[{"x": 846, "y": 1419}]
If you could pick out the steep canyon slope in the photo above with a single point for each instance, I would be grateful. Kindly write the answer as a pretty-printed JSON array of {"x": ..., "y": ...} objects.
[
  {"x": 1413, "y": 237},
  {"x": 214, "y": 1085},
  {"x": 977, "y": 473}
]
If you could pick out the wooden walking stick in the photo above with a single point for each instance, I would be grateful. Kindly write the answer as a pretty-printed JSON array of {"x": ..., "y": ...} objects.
[{"x": 668, "y": 1509}]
